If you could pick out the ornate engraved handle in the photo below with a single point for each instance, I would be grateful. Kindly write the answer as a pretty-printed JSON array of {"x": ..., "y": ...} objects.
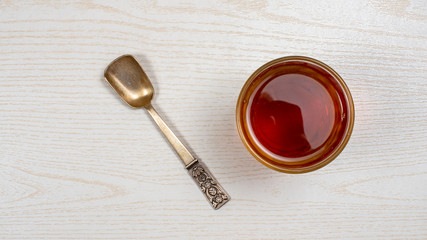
[{"x": 207, "y": 183}]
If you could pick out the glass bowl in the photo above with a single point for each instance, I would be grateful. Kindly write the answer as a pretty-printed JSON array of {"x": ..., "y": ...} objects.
[{"x": 295, "y": 114}]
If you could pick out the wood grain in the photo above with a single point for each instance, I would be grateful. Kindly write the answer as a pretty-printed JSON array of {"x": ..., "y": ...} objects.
[{"x": 77, "y": 163}]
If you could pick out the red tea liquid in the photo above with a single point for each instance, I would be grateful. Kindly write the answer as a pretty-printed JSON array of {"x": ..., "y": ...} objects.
[{"x": 297, "y": 112}]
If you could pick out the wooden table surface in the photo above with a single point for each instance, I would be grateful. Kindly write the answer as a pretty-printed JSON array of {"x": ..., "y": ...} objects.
[{"x": 77, "y": 163}]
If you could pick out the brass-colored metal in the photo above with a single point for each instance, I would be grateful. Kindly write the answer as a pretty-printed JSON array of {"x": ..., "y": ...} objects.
[
  {"x": 180, "y": 149},
  {"x": 207, "y": 183},
  {"x": 126, "y": 76},
  {"x": 129, "y": 80}
]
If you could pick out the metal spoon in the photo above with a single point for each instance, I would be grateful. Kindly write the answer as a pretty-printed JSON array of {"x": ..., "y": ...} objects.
[{"x": 126, "y": 76}]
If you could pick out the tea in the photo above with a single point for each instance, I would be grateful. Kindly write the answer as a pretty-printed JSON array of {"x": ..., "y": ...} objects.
[{"x": 292, "y": 115}]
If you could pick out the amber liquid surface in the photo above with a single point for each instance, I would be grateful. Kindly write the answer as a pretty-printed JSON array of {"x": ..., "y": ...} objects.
[{"x": 297, "y": 112}]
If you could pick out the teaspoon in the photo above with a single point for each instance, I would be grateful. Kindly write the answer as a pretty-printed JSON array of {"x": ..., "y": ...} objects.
[{"x": 126, "y": 76}]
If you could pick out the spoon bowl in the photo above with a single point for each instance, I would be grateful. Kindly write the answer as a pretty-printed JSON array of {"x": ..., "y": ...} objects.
[{"x": 126, "y": 76}]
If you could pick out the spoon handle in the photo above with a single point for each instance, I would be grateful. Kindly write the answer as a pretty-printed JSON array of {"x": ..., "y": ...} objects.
[
  {"x": 207, "y": 183},
  {"x": 177, "y": 145}
]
